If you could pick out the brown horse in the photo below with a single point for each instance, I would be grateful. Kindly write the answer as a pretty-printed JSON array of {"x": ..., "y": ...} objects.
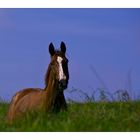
[{"x": 49, "y": 99}]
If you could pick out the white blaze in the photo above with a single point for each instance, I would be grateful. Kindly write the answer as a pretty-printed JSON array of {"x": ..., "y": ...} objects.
[{"x": 61, "y": 72}]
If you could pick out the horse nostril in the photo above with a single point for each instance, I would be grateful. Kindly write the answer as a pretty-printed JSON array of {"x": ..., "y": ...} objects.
[{"x": 63, "y": 84}]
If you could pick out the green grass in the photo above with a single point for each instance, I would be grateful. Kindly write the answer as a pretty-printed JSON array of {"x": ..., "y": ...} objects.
[{"x": 101, "y": 116}]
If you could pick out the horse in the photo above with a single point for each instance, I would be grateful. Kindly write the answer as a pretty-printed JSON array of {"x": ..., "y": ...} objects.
[{"x": 51, "y": 98}]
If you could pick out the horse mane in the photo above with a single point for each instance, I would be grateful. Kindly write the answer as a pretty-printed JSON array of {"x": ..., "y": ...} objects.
[{"x": 47, "y": 76}]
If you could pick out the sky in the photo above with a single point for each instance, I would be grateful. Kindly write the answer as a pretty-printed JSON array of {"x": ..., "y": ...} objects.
[{"x": 103, "y": 48}]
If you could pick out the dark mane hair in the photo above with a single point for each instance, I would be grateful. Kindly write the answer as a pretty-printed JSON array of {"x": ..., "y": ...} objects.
[{"x": 47, "y": 76}]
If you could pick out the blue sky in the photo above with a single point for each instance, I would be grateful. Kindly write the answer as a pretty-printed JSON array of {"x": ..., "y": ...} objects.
[{"x": 106, "y": 39}]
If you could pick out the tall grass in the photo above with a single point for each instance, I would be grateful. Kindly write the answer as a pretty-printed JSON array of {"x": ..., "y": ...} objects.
[
  {"x": 100, "y": 95},
  {"x": 89, "y": 116}
]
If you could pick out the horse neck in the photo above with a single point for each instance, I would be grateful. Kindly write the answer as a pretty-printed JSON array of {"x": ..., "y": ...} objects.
[
  {"x": 47, "y": 76},
  {"x": 51, "y": 91}
]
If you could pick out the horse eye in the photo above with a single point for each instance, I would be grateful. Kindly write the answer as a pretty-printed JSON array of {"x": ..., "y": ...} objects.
[{"x": 65, "y": 60}]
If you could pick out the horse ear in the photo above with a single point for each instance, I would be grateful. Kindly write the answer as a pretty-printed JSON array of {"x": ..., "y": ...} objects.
[
  {"x": 63, "y": 47},
  {"x": 51, "y": 49}
]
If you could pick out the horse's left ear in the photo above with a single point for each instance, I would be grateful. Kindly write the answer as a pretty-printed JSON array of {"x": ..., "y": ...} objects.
[{"x": 63, "y": 47}]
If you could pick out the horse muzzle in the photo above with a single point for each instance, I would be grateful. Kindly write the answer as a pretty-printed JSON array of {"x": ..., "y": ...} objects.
[{"x": 62, "y": 84}]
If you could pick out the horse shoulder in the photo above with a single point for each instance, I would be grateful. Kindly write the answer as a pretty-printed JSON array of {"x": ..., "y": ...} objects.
[
  {"x": 24, "y": 100},
  {"x": 31, "y": 99}
]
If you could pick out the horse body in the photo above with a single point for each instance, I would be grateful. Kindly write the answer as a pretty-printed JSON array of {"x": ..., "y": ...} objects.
[
  {"x": 48, "y": 99},
  {"x": 22, "y": 102}
]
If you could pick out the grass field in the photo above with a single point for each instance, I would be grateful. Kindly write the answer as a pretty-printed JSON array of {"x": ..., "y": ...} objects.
[{"x": 93, "y": 117}]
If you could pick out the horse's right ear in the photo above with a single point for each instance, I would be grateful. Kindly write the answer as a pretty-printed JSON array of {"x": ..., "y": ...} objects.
[{"x": 51, "y": 49}]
